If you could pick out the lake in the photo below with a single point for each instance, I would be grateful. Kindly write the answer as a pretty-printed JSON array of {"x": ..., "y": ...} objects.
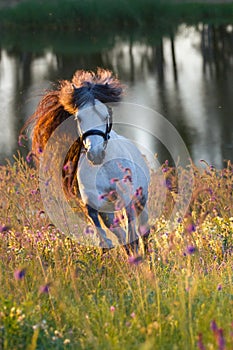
[{"x": 185, "y": 74}]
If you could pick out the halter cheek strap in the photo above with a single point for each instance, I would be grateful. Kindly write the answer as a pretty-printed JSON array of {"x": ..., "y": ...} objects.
[{"x": 105, "y": 134}]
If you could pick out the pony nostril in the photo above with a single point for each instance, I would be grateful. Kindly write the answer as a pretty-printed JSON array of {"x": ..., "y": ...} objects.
[{"x": 90, "y": 156}]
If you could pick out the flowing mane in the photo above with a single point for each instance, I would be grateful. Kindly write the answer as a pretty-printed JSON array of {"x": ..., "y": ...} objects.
[
  {"x": 64, "y": 101},
  {"x": 81, "y": 177}
]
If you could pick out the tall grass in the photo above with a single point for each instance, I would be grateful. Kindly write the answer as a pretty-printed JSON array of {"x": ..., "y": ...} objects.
[{"x": 55, "y": 294}]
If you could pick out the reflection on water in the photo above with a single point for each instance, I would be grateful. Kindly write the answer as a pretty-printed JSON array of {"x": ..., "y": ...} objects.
[{"x": 186, "y": 77}]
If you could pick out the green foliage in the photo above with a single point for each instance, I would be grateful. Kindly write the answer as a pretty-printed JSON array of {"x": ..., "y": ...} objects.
[
  {"x": 105, "y": 14},
  {"x": 55, "y": 294}
]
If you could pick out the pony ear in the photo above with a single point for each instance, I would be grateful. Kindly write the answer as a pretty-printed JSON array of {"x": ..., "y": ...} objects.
[{"x": 66, "y": 96}]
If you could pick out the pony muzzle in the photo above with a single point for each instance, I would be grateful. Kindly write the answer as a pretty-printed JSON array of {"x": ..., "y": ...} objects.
[{"x": 95, "y": 156}]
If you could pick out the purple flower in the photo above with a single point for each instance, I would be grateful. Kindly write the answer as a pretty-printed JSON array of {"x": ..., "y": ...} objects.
[
  {"x": 89, "y": 230},
  {"x": 65, "y": 167},
  {"x": 20, "y": 139},
  {"x": 191, "y": 228},
  {"x": 220, "y": 339},
  {"x": 200, "y": 342},
  {"x": 127, "y": 170},
  {"x": 127, "y": 178},
  {"x": 44, "y": 289},
  {"x": 114, "y": 179},
  {"x": 102, "y": 196},
  {"x": 41, "y": 214},
  {"x": 116, "y": 221},
  {"x": 135, "y": 260},
  {"x": 34, "y": 192},
  {"x": 68, "y": 166},
  {"x": 29, "y": 157},
  {"x": 168, "y": 184},
  {"x": 212, "y": 168},
  {"x": 139, "y": 192},
  {"x": 190, "y": 249},
  {"x": 4, "y": 228},
  {"x": 19, "y": 274},
  {"x": 219, "y": 287},
  {"x": 213, "y": 326}
]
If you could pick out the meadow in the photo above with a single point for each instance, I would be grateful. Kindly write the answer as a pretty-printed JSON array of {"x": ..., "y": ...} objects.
[{"x": 56, "y": 294}]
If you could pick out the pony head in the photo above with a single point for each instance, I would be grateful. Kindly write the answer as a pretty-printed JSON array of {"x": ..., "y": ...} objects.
[
  {"x": 86, "y": 89},
  {"x": 94, "y": 121}
]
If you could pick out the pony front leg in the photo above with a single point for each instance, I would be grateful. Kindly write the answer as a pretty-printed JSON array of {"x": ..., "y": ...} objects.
[
  {"x": 114, "y": 227},
  {"x": 105, "y": 242}
]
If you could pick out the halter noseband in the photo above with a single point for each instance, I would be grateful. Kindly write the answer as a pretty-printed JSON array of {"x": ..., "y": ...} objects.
[{"x": 105, "y": 134}]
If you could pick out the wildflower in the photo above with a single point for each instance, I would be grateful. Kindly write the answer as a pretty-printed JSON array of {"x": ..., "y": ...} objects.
[
  {"x": 112, "y": 196},
  {"x": 112, "y": 308},
  {"x": 168, "y": 184},
  {"x": 220, "y": 339},
  {"x": 65, "y": 167},
  {"x": 133, "y": 315},
  {"x": 135, "y": 260},
  {"x": 191, "y": 228},
  {"x": 127, "y": 170},
  {"x": 213, "y": 326},
  {"x": 200, "y": 342},
  {"x": 68, "y": 167},
  {"x": 20, "y": 139},
  {"x": 116, "y": 221},
  {"x": 212, "y": 168},
  {"x": 144, "y": 230},
  {"x": 89, "y": 230},
  {"x": 4, "y": 228},
  {"x": 66, "y": 341},
  {"x": 41, "y": 214},
  {"x": 139, "y": 192},
  {"x": 127, "y": 178},
  {"x": 19, "y": 274},
  {"x": 190, "y": 250},
  {"x": 29, "y": 157},
  {"x": 114, "y": 179},
  {"x": 44, "y": 289},
  {"x": 102, "y": 196},
  {"x": 219, "y": 287}
]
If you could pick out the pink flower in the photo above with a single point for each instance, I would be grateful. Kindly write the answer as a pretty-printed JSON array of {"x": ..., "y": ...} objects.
[
  {"x": 112, "y": 308},
  {"x": 19, "y": 274},
  {"x": 44, "y": 289},
  {"x": 114, "y": 179},
  {"x": 135, "y": 260},
  {"x": 4, "y": 228}
]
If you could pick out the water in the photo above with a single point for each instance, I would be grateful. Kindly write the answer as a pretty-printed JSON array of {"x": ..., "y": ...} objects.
[{"x": 187, "y": 77}]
